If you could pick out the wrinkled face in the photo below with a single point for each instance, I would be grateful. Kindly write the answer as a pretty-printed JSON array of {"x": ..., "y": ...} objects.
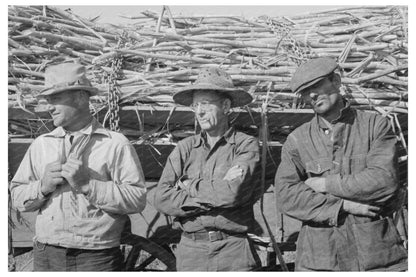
[
  {"x": 64, "y": 108},
  {"x": 323, "y": 96},
  {"x": 210, "y": 110}
]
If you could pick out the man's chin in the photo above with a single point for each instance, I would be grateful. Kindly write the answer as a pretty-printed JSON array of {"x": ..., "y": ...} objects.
[
  {"x": 320, "y": 109},
  {"x": 205, "y": 128}
]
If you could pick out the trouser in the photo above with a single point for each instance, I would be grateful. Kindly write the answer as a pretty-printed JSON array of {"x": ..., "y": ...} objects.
[
  {"x": 230, "y": 254},
  {"x": 55, "y": 258}
]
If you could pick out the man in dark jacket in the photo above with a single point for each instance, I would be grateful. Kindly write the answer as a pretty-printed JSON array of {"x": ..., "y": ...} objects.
[
  {"x": 207, "y": 183},
  {"x": 338, "y": 176}
]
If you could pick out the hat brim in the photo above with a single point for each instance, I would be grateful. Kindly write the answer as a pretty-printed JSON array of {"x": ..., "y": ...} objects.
[
  {"x": 311, "y": 83},
  {"x": 91, "y": 90},
  {"x": 239, "y": 97}
]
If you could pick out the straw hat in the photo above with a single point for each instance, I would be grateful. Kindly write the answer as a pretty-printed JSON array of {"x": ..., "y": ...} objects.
[
  {"x": 312, "y": 72},
  {"x": 217, "y": 80},
  {"x": 66, "y": 76}
]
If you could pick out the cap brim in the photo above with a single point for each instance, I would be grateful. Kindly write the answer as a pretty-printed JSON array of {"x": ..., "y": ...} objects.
[
  {"x": 91, "y": 90},
  {"x": 311, "y": 83},
  {"x": 239, "y": 96}
]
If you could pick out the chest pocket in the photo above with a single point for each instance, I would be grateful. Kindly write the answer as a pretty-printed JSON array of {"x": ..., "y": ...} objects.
[{"x": 318, "y": 168}]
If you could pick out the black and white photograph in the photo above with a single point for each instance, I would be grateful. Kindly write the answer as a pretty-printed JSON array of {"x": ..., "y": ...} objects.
[{"x": 212, "y": 137}]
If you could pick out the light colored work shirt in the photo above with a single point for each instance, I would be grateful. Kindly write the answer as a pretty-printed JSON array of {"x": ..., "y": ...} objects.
[{"x": 71, "y": 219}]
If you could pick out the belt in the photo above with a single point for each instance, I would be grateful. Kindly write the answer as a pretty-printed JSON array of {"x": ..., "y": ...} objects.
[{"x": 211, "y": 235}]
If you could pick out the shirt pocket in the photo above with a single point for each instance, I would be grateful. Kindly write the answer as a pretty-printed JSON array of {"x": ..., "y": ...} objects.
[
  {"x": 378, "y": 244},
  {"x": 319, "y": 167}
]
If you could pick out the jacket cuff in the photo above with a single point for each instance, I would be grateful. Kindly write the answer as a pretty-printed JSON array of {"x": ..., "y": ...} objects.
[
  {"x": 191, "y": 189},
  {"x": 334, "y": 219},
  {"x": 38, "y": 195},
  {"x": 95, "y": 194}
]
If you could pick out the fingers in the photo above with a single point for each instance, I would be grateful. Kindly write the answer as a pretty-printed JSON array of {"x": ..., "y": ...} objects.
[
  {"x": 234, "y": 172},
  {"x": 57, "y": 181},
  {"x": 53, "y": 167},
  {"x": 56, "y": 174},
  {"x": 374, "y": 208},
  {"x": 71, "y": 165}
]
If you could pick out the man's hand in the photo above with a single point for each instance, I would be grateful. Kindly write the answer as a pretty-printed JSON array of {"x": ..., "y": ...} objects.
[
  {"x": 52, "y": 177},
  {"x": 360, "y": 209},
  {"x": 76, "y": 175},
  {"x": 316, "y": 183},
  {"x": 233, "y": 172}
]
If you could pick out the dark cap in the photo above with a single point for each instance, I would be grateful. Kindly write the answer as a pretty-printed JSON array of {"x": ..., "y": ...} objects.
[{"x": 311, "y": 72}]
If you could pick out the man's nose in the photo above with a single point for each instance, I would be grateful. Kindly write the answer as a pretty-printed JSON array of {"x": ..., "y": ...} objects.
[
  {"x": 199, "y": 109},
  {"x": 313, "y": 95},
  {"x": 50, "y": 107}
]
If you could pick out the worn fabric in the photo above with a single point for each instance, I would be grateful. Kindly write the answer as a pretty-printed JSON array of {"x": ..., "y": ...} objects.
[
  {"x": 209, "y": 201},
  {"x": 231, "y": 254},
  {"x": 52, "y": 258},
  {"x": 71, "y": 219},
  {"x": 357, "y": 159}
]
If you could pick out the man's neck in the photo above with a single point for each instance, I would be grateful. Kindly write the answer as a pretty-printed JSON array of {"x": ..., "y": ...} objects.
[
  {"x": 81, "y": 124},
  {"x": 214, "y": 136}
]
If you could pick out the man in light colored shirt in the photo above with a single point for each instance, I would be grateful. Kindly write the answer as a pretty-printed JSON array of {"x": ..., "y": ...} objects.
[{"x": 82, "y": 178}]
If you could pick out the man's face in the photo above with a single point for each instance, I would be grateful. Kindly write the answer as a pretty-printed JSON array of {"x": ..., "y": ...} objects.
[
  {"x": 323, "y": 96},
  {"x": 209, "y": 110},
  {"x": 64, "y": 108}
]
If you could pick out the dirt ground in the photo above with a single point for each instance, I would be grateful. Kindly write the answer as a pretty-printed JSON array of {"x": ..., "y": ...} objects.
[{"x": 24, "y": 262}]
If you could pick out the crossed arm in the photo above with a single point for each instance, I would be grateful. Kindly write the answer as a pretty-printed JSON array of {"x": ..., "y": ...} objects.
[
  {"x": 320, "y": 199},
  {"x": 179, "y": 196}
]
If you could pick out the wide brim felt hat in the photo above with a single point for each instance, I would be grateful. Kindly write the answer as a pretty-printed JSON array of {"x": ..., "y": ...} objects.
[
  {"x": 216, "y": 80},
  {"x": 66, "y": 77},
  {"x": 311, "y": 72}
]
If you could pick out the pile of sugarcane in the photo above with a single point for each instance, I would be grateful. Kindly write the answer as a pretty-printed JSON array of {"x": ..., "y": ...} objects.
[{"x": 148, "y": 60}]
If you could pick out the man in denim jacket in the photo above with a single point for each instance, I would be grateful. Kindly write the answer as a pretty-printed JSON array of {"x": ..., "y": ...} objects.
[
  {"x": 81, "y": 178},
  {"x": 338, "y": 176}
]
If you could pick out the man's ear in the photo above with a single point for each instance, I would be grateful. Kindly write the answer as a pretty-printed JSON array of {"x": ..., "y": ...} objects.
[
  {"x": 82, "y": 98},
  {"x": 336, "y": 80},
  {"x": 226, "y": 105}
]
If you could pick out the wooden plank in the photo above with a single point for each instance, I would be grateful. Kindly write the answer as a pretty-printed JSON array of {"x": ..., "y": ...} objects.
[
  {"x": 157, "y": 115},
  {"x": 152, "y": 157}
]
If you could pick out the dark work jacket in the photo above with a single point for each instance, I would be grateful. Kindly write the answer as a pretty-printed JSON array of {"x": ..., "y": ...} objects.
[
  {"x": 209, "y": 201},
  {"x": 357, "y": 159}
]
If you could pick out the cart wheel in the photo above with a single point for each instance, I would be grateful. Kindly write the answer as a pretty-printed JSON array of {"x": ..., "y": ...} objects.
[{"x": 146, "y": 255}]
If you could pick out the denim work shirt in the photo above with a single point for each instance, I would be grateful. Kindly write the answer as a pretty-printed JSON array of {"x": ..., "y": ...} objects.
[
  {"x": 357, "y": 159},
  {"x": 209, "y": 202},
  {"x": 70, "y": 219}
]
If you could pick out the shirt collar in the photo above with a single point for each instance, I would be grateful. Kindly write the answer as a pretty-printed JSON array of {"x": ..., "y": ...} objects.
[
  {"x": 229, "y": 136},
  {"x": 93, "y": 128}
]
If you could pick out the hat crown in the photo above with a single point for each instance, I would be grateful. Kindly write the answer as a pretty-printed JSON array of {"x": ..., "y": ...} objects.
[
  {"x": 215, "y": 80},
  {"x": 66, "y": 74},
  {"x": 214, "y": 76},
  {"x": 310, "y": 71}
]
